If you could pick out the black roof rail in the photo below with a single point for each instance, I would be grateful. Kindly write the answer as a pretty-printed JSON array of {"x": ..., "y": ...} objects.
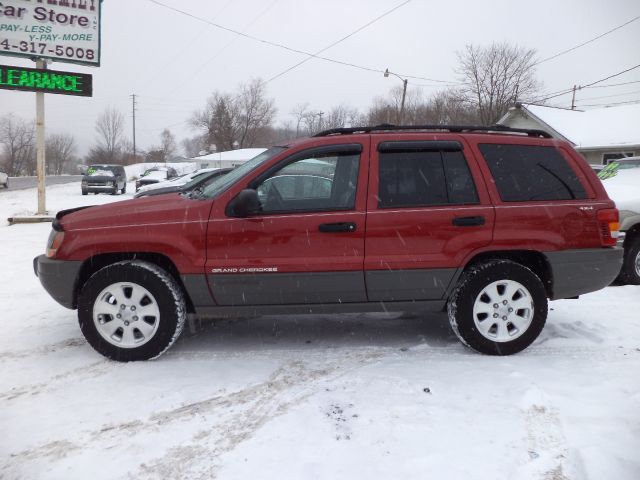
[{"x": 446, "y": 128}]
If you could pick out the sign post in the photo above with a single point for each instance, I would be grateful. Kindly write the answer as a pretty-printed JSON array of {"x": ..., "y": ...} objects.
[
  {"x": 55, "y": 30},
  {"x": 40, "y": 147}
]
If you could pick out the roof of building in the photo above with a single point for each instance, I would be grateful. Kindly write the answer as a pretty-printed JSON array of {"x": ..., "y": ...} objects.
[
  {"x": 597, "y": 128},
  {"x": 240, "y": 154}
]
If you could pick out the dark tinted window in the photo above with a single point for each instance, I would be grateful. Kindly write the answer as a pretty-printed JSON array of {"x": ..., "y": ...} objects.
[
  {"x": 529, "y": 173},
  {"x": 421, "y": 178}
]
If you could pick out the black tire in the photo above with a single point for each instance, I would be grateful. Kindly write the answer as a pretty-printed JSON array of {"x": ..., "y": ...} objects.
[
  {"x": 124, "y": 189},
  {"x": 165, "y": 297},
  {"x": 631, "y": 265},
  {"x": 84, "y": 192},
  {"x": 501, "y": 321}
]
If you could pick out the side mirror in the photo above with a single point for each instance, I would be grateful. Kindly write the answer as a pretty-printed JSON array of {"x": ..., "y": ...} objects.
[{"x": 244, "y": 204}]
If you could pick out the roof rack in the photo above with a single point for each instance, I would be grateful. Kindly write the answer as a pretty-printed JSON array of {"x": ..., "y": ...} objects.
[{"x": 441, "y": 128}]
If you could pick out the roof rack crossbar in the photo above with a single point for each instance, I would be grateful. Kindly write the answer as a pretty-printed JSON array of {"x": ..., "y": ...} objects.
[{"x": 446, "y": 128}]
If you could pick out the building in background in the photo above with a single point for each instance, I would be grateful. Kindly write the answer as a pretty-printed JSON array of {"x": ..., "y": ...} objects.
[
  {"x": 600, "y": 135},
  {"x": 228, "y": 159}
]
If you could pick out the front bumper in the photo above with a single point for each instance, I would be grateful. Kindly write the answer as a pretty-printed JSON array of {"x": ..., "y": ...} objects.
[
  {"x": 59, "y": 278},
  {"x": 99, "y": 188},
  {"x": 576, "y": 272}
]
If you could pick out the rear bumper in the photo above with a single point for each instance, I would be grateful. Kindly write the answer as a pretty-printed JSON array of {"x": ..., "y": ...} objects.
[
  {"x": 59, "y": 278},
  {"x": 576, "y": 272}
]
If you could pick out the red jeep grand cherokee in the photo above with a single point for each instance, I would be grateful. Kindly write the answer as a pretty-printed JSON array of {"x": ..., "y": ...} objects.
[{"x": 486, "y": 222}]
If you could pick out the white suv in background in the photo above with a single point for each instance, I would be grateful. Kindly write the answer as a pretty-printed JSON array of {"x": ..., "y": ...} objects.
[{"x": 621, "y": 179}]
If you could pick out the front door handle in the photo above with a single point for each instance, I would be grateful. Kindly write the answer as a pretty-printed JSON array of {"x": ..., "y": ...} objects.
[
  {"x": 468, "y": 221},
  {"x": 337, "y": 227}
]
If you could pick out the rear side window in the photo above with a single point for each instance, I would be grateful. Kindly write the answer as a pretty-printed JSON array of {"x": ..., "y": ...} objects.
[
  {"x": 423, "y": 178},
  {"x": 530, "y": 173}
]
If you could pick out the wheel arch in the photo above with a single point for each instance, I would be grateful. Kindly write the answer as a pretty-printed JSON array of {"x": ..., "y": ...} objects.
[
  {"x": 533, "y": 260},
  {"x": 95, "y": 263},
  {"x": 631, "y": 235}
]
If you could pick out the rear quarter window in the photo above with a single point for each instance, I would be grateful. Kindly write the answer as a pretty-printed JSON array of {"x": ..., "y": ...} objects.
[{"x": 525, "y": 173}]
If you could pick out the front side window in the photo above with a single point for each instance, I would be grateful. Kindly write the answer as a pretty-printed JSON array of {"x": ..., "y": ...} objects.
[
  {"x": 314, "y": 183},
  {"x": 531, "y": 173},
  {"x": 424, "y": 178}
]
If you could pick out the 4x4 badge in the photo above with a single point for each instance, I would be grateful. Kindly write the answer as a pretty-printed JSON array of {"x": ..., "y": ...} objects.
[{"x": 586, "y": 208}]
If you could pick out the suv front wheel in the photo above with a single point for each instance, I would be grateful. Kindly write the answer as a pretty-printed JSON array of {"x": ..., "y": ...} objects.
[
  {"x": 131, "y": 310},
  {"x": 498, "y": 307}
]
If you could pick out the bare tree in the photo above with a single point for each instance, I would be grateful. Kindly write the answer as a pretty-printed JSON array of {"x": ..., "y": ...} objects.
[
  {"x": 168, "y": 144},
  {"x": 299, "y": 112},
  {"x": 240, "y": 120},
  {"x": 218, "y": 120},
  {"x": 110, "y": 129},
  {"x": 447, "y": 107},
  {"x": 60, "y": 153},
  {"x": 342, "y": 116},
  {"x": 17, "y": 139},
  {"x": 193, "y": 146},
  {"x": 495, "y": 76},
  {"x": 256, "y": 112}
]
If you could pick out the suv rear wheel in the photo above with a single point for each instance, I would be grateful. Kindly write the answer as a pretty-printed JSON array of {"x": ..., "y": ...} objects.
[
  {"x": 631, "y": 266},
  {"x": 132, "y": 310},
  {"x": 498, "y": 307}
]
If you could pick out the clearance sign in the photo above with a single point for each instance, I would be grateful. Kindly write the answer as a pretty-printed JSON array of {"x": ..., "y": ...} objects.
[
  {"x": 60, "y": 30},
  {"x": 46, "y": 81}
]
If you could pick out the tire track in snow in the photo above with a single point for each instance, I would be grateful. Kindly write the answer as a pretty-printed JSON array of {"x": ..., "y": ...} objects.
[
  {"x": 546, "y": 444},
  {"x": 297, "y": 383},
  {"x": 44, "y": 350},
  {"x": 58, "y": 381},
  {"x": 231, "y": 419}
]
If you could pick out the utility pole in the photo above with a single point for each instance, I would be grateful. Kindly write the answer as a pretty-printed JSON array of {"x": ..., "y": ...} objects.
[
  {"x": 573, "y": 99},
  {"x": 133, "y": 99},
  {"x": 404, "y": 93}
]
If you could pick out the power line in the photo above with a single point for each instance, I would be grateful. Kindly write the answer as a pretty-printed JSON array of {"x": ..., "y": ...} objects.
[
  {"x": 570, "y": 90},
  {"x": 223, "y": 48},
  {"x": 615, "y": 84},
  {"x": 611, "y": 96},
  {"x": 611, "y": 76},
  {"x": 285, "y": 47},
  {"x": 612, "y": 104},
  {"x": 587, "y": 42},
  {"x": 388, "y": 12}
]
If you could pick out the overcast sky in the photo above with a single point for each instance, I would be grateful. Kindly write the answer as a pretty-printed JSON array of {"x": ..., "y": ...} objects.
[{"x": 173, "y": 62}]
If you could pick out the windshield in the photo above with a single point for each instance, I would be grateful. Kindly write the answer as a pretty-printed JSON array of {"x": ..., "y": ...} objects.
[
  {"x": 100, "y": 172},
  {"x": 223, "y": 182}
]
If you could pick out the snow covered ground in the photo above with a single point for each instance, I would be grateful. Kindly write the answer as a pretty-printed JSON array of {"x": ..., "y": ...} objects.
[{"x": 321, "y": 397}]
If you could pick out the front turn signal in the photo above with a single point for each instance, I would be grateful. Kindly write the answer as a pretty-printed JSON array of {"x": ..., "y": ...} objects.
[{"x": 55, "y": 240}]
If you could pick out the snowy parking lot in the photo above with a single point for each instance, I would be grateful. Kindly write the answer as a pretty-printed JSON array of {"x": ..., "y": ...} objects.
[{"x": 384, "y": 396}]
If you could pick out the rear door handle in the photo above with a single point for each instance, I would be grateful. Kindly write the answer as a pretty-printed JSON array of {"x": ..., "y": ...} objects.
[
  {"x": 337, "y": 227},
  {"x": 468, "y": 221}
]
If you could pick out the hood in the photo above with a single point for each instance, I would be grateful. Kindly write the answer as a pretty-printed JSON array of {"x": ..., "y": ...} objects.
[
  {"x": 154, "y": 210},
  {"x": 624, "y": 189}
]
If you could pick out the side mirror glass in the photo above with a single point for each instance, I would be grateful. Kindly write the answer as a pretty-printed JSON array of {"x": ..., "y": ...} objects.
[{"x": 246, "y": 203}]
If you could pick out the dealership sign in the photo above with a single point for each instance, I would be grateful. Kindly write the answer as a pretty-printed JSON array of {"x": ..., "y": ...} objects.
[
  {"x": 60, "y": 30},
  {"x": 46, "y": 81}
]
